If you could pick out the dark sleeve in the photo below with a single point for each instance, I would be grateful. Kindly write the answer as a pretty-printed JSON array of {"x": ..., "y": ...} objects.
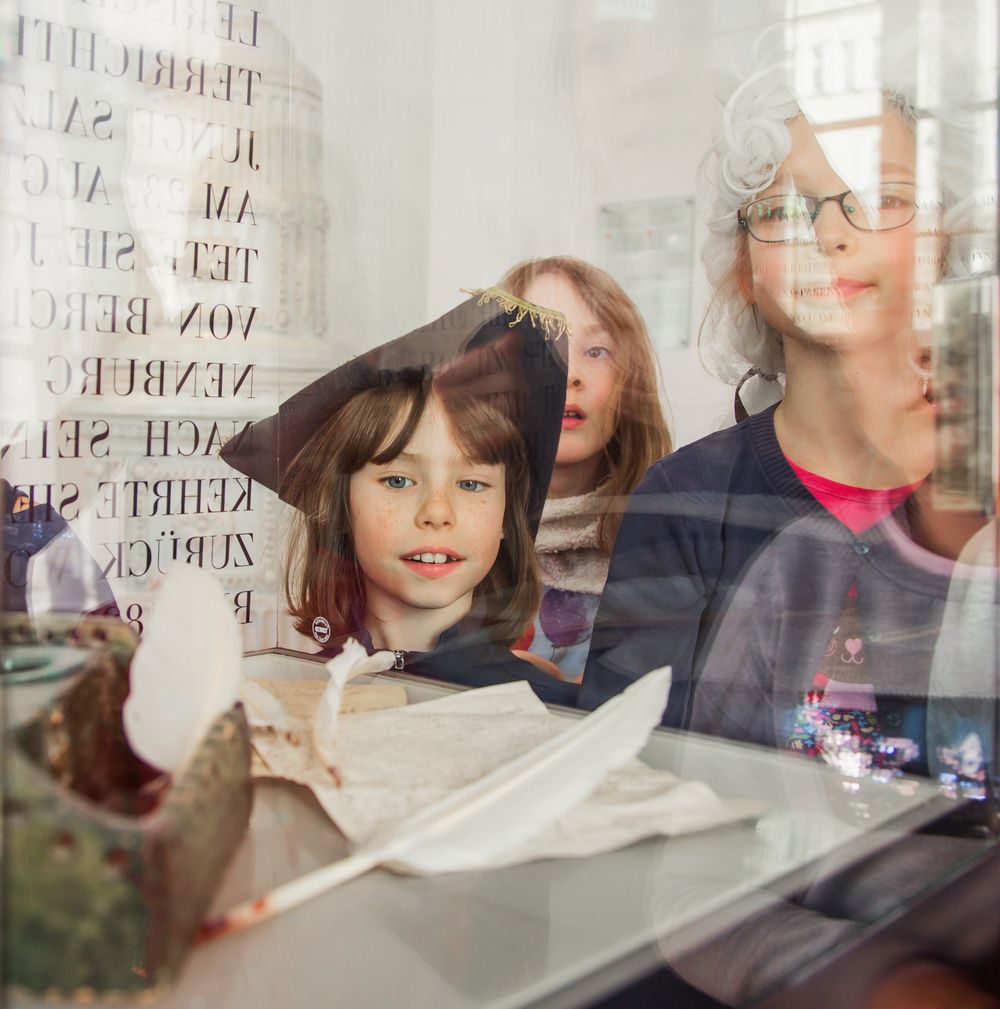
[
  {"x": 655, "y": 597},
  {"x": 734, "y": 693},
  {"x": 775, "y": 937}
]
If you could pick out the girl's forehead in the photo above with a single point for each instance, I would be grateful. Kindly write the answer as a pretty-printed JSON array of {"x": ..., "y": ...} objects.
[
  {"x": 854, "y": 158},
  {"x": 433, "y": 440},
  {"x": 583, "y": 336},
  {"x": 554, "y": 289},
  {"x": 432, "y": 422}
]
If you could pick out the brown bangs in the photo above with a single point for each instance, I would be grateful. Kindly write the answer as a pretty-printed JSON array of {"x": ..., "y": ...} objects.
[
  {"x": 378, "y": 424},
  {"x": 484, "y": 433},
  {"x": 322, "y": 577}
]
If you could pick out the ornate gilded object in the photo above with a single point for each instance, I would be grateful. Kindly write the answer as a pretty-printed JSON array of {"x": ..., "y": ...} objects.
[{"x": 109, "y": 866}]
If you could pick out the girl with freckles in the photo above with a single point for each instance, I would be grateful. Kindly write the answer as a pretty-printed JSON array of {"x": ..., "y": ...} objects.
[
  {"x": 773, "y": 565},
  {"x": 418, "y": 471},
  {"x": 812, "y": 256}
]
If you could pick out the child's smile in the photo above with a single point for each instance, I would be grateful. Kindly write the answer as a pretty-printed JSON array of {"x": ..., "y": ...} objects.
[
  {"x": 838, "y": 281},
  {"x": 427, "y": 527},
  {"x": 432, "y": 563}
]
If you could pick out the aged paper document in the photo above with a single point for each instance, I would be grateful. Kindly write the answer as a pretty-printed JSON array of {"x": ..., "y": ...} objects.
[{"x": 391, "y": 763}]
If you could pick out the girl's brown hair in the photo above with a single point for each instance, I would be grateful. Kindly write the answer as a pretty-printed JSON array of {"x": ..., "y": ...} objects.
[
  {"x": 322, "y": 577},
  {"x": 641, "y": 435}
]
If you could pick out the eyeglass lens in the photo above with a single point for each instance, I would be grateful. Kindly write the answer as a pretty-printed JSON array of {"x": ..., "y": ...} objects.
[{"x": 788, "y": 216}]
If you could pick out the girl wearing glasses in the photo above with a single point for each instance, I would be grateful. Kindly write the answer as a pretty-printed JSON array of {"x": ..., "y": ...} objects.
[
  {"x": 812, "y": 257},
  {"x": 771, "y": 564}
]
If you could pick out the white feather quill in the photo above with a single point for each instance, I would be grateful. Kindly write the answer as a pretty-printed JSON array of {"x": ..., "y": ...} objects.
[
  {"x": 186, "y": 671},
  {"x": 510, "y": 805},
  {"x": 353, "y": 661}
]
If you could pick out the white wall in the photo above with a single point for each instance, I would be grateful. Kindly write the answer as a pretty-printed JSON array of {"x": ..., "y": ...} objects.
[{"x": 460, "y": 136}]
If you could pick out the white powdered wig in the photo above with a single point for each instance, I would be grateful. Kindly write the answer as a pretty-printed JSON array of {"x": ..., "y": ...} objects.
[{"x": 754, "y": 140}]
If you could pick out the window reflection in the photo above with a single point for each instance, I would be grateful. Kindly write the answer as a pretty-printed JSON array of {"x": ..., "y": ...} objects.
[{"x": 822, "y": 578}]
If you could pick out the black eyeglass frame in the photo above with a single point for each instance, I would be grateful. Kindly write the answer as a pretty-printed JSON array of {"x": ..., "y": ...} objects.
[{"x": 744, "y": 223}]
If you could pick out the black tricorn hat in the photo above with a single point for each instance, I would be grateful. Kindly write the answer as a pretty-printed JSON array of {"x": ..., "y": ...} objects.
[{"x": 492, "y": 346}]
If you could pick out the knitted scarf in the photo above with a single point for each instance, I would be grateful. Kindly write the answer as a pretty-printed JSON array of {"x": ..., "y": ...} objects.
[{"x": 567, "y": 544}]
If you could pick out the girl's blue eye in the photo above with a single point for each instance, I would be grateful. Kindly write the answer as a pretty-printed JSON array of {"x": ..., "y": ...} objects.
[
  {"x": 475, "y": 486},
  {"x": 396, "y": 482}
]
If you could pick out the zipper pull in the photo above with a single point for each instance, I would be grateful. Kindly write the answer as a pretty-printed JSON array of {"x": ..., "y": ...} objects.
[{"x": 400, "y": 657}]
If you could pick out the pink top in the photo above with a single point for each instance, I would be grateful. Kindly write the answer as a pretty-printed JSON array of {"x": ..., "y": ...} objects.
[{"x": 859, "y": 508}]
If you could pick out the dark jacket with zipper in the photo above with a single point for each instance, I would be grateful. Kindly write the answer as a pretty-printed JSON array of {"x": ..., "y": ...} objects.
[
  {"x": 466, "y": 656},
  {"x": 729, "y": 570}
]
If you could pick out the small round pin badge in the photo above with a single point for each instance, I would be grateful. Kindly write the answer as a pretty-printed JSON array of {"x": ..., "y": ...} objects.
[{"x": 321, "y": 630}]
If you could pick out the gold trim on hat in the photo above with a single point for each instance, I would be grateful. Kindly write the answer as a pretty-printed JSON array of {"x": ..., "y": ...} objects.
[{"x": 546, "y": 319}]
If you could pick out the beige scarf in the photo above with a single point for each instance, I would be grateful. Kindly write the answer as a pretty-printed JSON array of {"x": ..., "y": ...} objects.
[{"x": 567, "y": 544}]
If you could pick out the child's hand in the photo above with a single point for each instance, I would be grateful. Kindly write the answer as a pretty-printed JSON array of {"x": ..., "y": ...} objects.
[{"x": 928, "y": 985}]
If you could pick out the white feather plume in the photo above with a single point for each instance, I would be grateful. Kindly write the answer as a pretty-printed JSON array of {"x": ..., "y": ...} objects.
[
  {"x": 512, "y": 804},
  {"x": 515, "y": 802},
  {"x": 186, "y": 671}
]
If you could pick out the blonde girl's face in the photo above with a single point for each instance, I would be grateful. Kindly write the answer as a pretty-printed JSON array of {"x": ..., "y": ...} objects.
[
  {"x": 838, "y": 285},
  {"x": 589, "y": 418},
  {"x": 427, "y": 525}
]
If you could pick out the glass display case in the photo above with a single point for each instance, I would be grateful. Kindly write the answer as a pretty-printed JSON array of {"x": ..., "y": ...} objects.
[{"x": 714, "y": 302}]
